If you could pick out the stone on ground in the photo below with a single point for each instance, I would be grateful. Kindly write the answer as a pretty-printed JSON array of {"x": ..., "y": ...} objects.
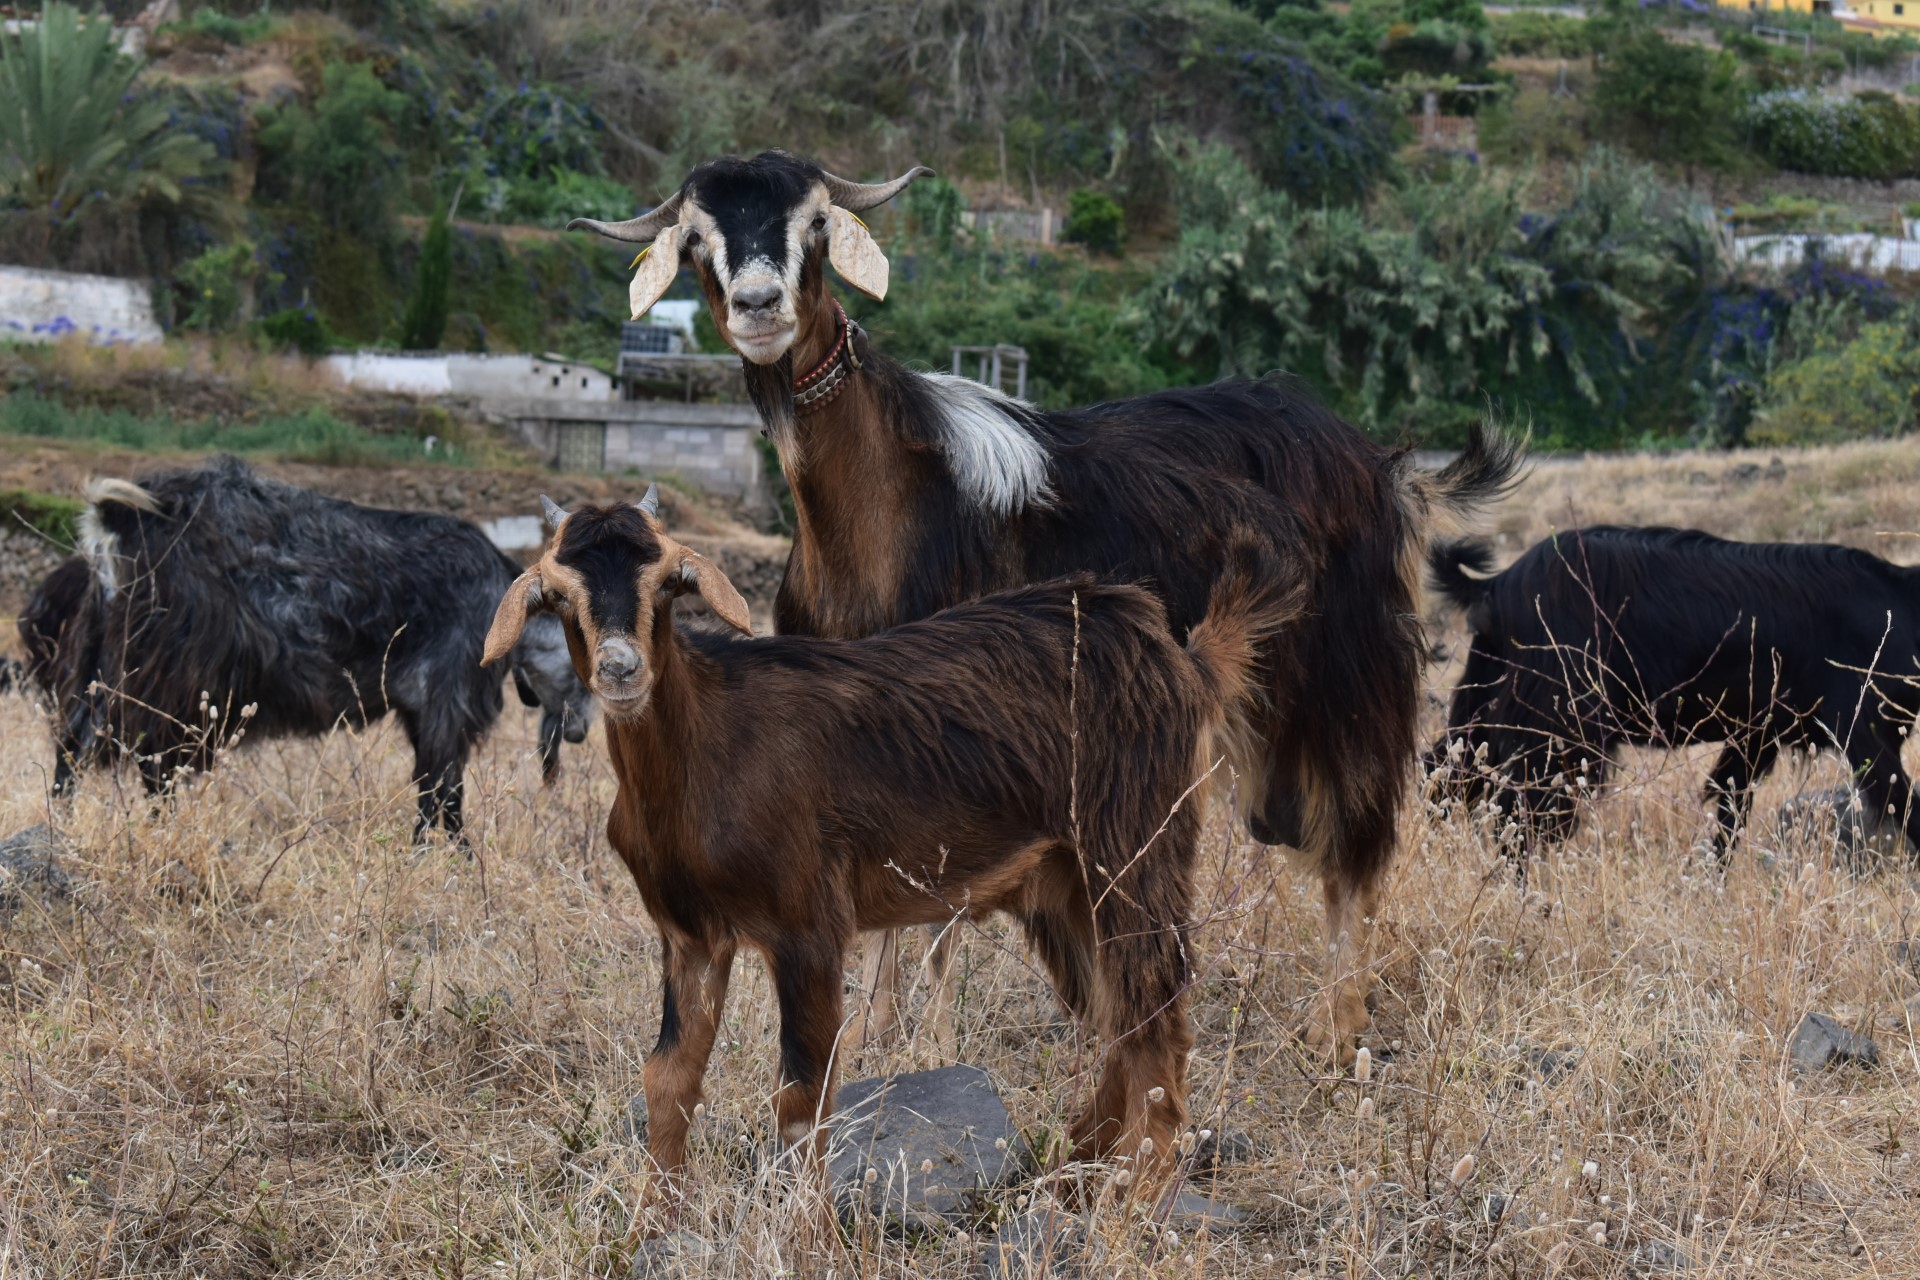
[
  {"x": 917, "y": 1149},
  {"x": 1835, "y": 818},
  {"x": 668, "y": 1255},
  {"x": 1820, "y": 1042},
  {"x": 1037, "y": 1244},
  {"x": 28, "y": 865}
]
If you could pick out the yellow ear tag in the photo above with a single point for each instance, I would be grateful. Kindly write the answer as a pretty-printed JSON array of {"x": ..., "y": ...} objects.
[{"x": 636, "y": 257}]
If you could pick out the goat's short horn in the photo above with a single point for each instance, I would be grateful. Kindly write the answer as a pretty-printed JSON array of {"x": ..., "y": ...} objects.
[
  {"x": 651, "y": 502},
  {"x": 640, "y": 230},
  {"x": 858, "y": 197},
  {"x": 555, "y": 514}
]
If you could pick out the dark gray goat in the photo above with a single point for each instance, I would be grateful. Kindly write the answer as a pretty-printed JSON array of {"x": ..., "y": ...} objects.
[{"x": 216, "y": 600}]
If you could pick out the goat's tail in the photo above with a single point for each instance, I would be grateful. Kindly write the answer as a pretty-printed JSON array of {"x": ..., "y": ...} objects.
[
  {"x": 1459, "y": 570},
  {"x": 1254, "y": 597},
  {"x": 125, "y": 492},
  {"x": 1443, "y": 503}
]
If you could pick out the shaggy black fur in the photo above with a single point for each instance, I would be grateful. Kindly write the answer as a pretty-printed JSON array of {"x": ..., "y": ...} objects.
[
  {"x": 1664, "y": 637},
  {"x": 239, "y": 592}
]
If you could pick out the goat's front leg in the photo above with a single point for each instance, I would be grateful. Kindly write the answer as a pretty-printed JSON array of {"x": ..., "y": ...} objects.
[
  {"x": 690, "y": 1002},
  {"x": 806, "y": 979}
]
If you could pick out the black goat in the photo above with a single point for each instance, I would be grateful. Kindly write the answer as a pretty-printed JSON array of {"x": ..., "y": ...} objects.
[
  {"x": 1666, "y": 637},
  {"x": 212, "y": 600}
]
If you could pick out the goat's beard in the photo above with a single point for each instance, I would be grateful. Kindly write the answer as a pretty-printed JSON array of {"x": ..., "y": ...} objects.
[{"x": 770, "y": 387}]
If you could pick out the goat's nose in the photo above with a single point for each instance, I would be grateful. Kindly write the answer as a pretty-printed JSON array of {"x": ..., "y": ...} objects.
[
  {"x": 753, "y": 299},
  {"x": 618, "y": 660}
]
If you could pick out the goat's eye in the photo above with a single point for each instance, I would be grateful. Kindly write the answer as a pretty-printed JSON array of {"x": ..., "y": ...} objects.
[
  {"x": 819, "y": 221},
  {"x": 693, "y": 240}
]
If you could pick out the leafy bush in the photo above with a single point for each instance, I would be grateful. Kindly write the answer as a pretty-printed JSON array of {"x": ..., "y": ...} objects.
[
  {"x": 565, "y": 194},
  {"x": 1444, "y": 293},
  {"x": 218, "y": 283},
  {"x": 1868, "y": 385},
  {"x": 299, "y": 329},
  {"x": 1070, "y": 316},
  {"x": 1540, "y": 35},
  {"x": 1870, "y": 135},
  {"x": 932, "y": 209},
  {"x": 1535, "y": 125},
  {"x": 339, "y": 158},
  {"x": 1667, "y": 100},
  {"x": 1095, "y": 220}
]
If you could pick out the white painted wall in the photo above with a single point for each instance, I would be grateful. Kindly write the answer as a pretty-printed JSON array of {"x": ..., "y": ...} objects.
[
  {"x": 1860, "y": 250},
  {"x": 386, "y": 371},
  {"x": 485, "y": 377},
  {"x": 39, "y": 306}
]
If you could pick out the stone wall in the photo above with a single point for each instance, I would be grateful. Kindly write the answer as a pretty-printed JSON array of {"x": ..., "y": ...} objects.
[
  {"x": 705, "y": 447},
  {"x": 25, "y": 558}
]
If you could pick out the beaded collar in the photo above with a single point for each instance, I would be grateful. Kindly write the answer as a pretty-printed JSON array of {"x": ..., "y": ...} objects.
[{"x": 831, "y": 375}]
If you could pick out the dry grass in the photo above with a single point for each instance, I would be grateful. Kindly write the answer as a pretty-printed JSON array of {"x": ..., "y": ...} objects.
[{"x": 266, "y": 1038}]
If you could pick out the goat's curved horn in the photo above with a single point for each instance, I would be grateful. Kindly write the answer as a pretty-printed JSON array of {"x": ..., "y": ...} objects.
[
  {"x": 555, "y": 514},
  {"x": 640, "y": 230},
  {"x": 651, "y": 502},
  {"x": 858, "y": 197}
]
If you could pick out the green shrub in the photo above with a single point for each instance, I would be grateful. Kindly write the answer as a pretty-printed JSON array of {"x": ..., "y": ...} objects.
[
  {"x": 1844, "y": 390},
  {"x": 1870, "y": 135},
  {"x": 312, "y": 436},
  {"x": 299, "y": 329},
  {"x": 217, "y": 284},
  {"x": 932, "y": 207},
  {"x": 1536, "y": 125},
  {"x": 1540, "y": 35},
  {"x": 51, "y": 516},
  {"x": 338, "y": 159},
  {"x": 565, "y": 194},
  {"x": 1668, "y": 100},
  {"x": 1095, "y": 220}
]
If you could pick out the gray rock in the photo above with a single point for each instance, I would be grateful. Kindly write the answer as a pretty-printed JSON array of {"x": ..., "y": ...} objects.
[
  {"x": 28, "y": 865},
  {"x": 1191, "y": 1212},
  {"x": 1820, "y": 1042},
  {"x": 1907, "y": 954},
  {"x": 633, "y": 1126},
  {"x": 1658, "y": 1258},
  {"x": 1036, "y": 1244},
  {"x": 1699, "y": 477},
  {"x": 1222, "y": 1148},
  {"x": 668, "y": 1255},
  {"x": 1832, "y": 818},
  {"x": 1776, "y": 470},
  {"x": 1498, "y": 1205},
  {"x": 932, "y": 1140},
  {"x": 1743, "y": 473},
  {"x": 1551, "y": 1065}
]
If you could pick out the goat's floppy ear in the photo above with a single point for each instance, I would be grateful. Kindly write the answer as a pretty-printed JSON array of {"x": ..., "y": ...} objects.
[
  {"x": 697, "y": 573},
  {"x": 510, "y": 619},
  {"x": 659, "y": 263},
  {"x": 854, "y": 255}
]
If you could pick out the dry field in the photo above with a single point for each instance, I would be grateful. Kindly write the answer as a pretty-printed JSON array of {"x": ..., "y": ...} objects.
[{"x": 264, "y": 1037}]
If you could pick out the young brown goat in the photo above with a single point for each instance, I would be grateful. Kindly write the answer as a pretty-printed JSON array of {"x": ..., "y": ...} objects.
[{"x": 1030, "y": 752}]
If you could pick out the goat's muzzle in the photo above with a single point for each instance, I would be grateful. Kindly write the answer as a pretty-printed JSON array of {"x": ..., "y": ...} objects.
[{"x": 619, "y": 675}]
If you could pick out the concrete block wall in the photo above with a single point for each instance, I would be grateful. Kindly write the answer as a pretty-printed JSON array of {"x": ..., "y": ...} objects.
[{"x": 721, "y": 459}]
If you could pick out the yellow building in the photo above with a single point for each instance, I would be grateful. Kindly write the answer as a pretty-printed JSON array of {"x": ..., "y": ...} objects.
[{"x": 1872, "y": 17}]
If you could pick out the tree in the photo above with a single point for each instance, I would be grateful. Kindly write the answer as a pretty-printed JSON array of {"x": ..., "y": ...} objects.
[
  {"x": 426, "y": 319},
  {"x": 78, "y": 138}
]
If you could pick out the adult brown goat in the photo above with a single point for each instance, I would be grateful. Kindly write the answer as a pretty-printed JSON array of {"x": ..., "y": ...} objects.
[
  {"x": 1029, "y": 752},
  {"x": 917, "y": 491}
]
